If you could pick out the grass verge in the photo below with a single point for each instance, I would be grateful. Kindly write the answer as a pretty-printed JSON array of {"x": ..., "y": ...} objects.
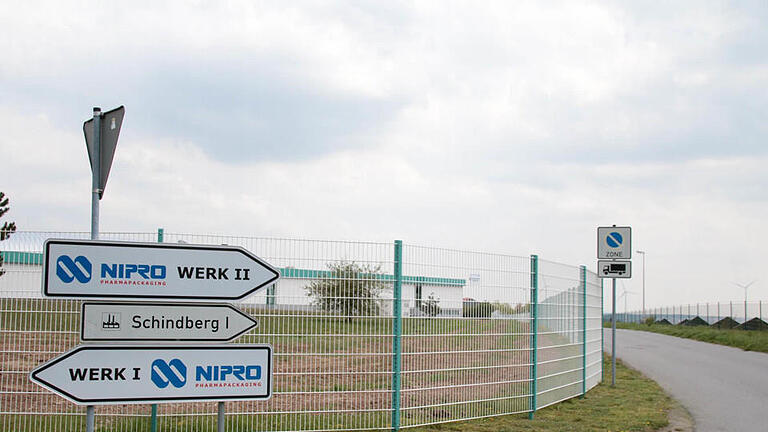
[
  {"x": 635, "y": 404},
  {"x": 747, "y": 340}
]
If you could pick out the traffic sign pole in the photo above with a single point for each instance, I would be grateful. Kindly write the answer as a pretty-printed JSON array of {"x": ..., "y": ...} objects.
[
  {"x": 95, "y": 170},
  {"x": 95, "y": 177},
  {"x": 220, "y": 418},
  {"x": 613, "y": 336},
  {"x": 153, "y": 413},
  {"x": 614, "y": 251}
]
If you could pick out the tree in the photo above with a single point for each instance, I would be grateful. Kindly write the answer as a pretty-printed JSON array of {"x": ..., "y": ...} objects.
[
  {"x": 350, "y": 289},
  {"x": 7, "y": 228},
  {"x": 431, "y": 306}
]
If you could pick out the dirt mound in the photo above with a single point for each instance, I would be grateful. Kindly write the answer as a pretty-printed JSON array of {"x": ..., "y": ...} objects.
[
  {"x": 726, "y": 323},
  {"x": 753, "y": 324},
  {"x": 693, "y": 322}
]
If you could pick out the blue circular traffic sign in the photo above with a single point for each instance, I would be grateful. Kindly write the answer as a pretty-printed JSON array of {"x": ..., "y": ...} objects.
[{"x": 614, "y": 240}]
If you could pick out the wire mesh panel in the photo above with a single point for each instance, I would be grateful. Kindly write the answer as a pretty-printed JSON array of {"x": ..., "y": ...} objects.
[
  {"x": 348, "y": 355},
  {"x": 594, "y": 330},
  {"x": 465, "y": 335},
  {"x": 34, "y": 330},
  {"x": 560, "y": 333},
  {"x": 329, "y": 320}
]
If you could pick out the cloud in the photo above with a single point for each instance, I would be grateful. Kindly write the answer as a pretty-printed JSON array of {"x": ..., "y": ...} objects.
[{"x": 511, "y": 127}]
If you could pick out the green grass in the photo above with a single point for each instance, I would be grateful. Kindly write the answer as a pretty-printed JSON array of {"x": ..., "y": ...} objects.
[
  {"x": 32, "y": 322},
  {"x": 635, "y": 404},
  {"x": 748, "y": 340}
]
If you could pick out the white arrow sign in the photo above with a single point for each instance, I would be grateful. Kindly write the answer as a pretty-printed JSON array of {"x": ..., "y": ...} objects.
[
  {"x": 89, "y": 375},
  {"x": 139, "y": 271},
  {"x": 163, "y": 322}
]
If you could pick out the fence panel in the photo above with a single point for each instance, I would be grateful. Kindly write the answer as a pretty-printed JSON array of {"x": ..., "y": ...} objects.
[
  {"x": 560, "y": 333},
  {"x": 465, "y": 343},
  {"x": 350, "y": 353},
  {"x": 594, "y": 349}
]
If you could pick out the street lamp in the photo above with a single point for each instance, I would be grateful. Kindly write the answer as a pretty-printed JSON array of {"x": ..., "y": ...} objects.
[{"x": 643, "y": 254}]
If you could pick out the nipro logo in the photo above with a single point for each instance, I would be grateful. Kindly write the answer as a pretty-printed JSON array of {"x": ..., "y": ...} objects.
[
  {"x": 68, "y": 269},
  {"x": 173, "y": 372},
  {"x": 127, "y": 271}
]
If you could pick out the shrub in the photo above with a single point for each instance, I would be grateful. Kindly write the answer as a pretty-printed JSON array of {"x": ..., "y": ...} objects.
[
  {"x": 350, "y": 290},
  {"x": 474, "y": 309},
  {"x": 431, "y": 306}
]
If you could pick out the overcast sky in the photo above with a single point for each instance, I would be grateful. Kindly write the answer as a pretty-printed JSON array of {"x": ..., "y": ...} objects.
[{"x": 513, "y": 127}]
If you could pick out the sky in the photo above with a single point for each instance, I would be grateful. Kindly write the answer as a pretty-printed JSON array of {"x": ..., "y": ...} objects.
[{"x": 508, "y": 127}]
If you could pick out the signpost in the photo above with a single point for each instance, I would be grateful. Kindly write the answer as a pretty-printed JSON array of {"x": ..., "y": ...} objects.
[
  {"x": 614, "y": 244},
  {"x": 162, "y": 322},
  {"x": 119, "y": 374},
  {"x": 151, "y": 271},
  {"x": 129, "y": 374},
  {"x": 101, "y": 152}
]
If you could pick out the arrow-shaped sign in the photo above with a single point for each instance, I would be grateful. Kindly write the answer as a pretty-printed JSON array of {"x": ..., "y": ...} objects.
[
  {"x": 89, "y": 375},
  {"x": 141, "y": 271},
  {"x": 163, "y": 322}
]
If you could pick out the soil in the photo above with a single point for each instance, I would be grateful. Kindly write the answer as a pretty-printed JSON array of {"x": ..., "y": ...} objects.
[{"x": 679, "y": 420}]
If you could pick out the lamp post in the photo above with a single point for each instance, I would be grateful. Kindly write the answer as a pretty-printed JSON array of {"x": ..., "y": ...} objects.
[{"x": 643, "y": 254}]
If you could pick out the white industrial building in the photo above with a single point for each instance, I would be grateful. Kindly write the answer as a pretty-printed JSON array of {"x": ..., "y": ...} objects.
[{"x": 23, "y": 280}]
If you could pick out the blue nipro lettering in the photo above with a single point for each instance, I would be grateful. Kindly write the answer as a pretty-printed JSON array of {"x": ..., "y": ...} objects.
[
  {"x": 222, "y": 372},
  {"x": 127, "y": 271}
]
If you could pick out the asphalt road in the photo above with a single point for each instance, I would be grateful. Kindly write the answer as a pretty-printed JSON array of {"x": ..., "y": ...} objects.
[{"x": 724, "y": 388}]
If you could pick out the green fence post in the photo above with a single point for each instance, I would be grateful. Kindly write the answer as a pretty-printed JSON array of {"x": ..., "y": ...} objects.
[
  {"x": 397, "y": 331},
  {"x": 153, "y": 425},
  {"x": 153, "y": 417},
  {"x": 602, "y": 331},
  {"x": 534, "y": 329},
  {"x": 584, "y": 333}
]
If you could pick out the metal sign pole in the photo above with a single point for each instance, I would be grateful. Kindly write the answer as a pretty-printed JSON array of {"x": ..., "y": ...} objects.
[
  {"x": 613, "y": 336},
  {"x": 220, "y": 419},
  {"x": 90, "y": 412},
  {"x": 95, "y": 172}
]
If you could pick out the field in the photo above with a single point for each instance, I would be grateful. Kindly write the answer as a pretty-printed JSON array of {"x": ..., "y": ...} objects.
[
  {"x": 329, "y": 372},
  {"x": 635, "y": 404}
]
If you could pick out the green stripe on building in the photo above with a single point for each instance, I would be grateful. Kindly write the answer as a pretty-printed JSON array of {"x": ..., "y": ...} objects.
[
  {"x": 24, "y": 258},
  {"x": 327, "y": 274},
  {"x": 36, "y": 258}
]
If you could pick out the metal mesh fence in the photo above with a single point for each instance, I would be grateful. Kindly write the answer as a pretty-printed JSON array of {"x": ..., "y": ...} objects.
[
  {"x": 569, "y": 337},
  {"x": 466, "y": 350},
  {"x": 594, "y": 331},
  {"x": 724, "y": 314},
  {"x": 348, "y": 355}
]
